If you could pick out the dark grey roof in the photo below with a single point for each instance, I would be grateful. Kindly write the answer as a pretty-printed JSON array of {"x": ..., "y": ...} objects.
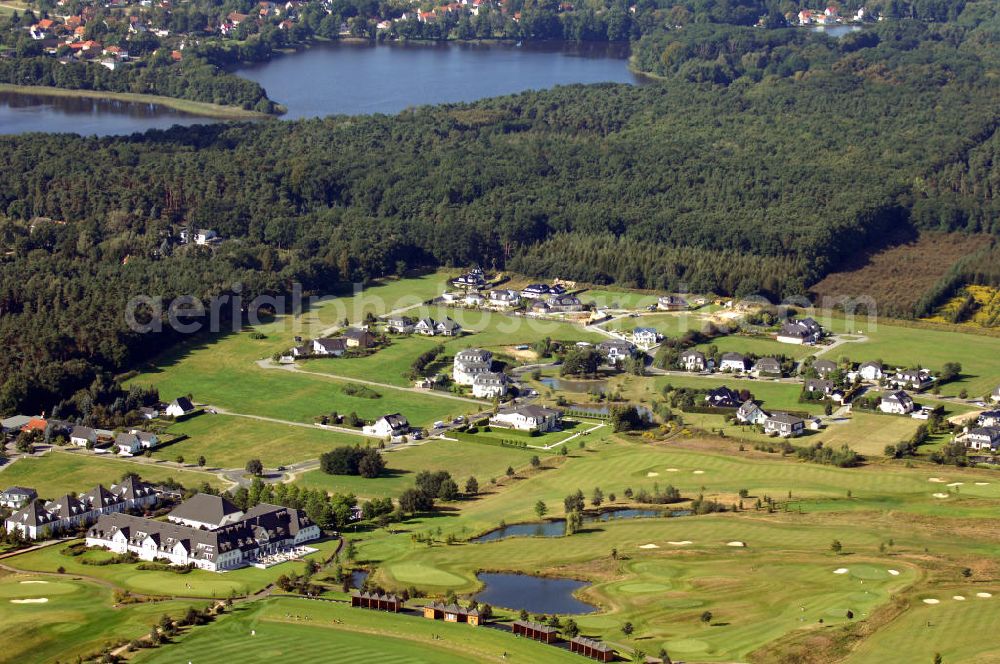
[
  {"x": 331, "y": 345},
  {"x": 20, "y": 491},
  {"x": 184, "y": 403},
  {"x": 824, "y": 366},
  {"x": 396, "y": 421},
  {"x": 66, "y": 507},
  {"x": 83, "y": 432},
  {"x": 205, "y": 508},
  {"x": 785, "y": 418},
  {"x": 132, "y": 489},
  {"x": 736, "y": 357},
  {"x": 99, "y": 497},
  {"x": 531, "y": 411},
  {"x": 33, "y": 514}
]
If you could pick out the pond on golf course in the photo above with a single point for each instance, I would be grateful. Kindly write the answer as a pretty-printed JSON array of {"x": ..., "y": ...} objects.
[
  {"x": 557, "y": 527},
  {"x": 535, "y": 594}
]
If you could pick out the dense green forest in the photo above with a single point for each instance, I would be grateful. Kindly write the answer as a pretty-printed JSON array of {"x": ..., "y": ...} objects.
[
  {"x": 762, "y": 184},
  {"x": 194, "y": 80}
]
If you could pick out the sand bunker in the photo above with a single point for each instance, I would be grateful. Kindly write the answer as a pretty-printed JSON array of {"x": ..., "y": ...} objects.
[
  {"x": 649, "y": 546},
  {"x": 681, "y": 542},
  {"x": 671, "y": 470},
  {"x": 34, "y": 582},
  {"x": 956, "y": 484},
  {"x": 652, "y": 474},
  {"x": 699, "y": 472},
  {"x": 932, "y": 601},
  {"x": 894, "y": 572},
  {"x": 984, "y": 595},
  {"x": 936, "y": 479},
  {"x": 841, "y": 570},
  {"x": 958, "y": 598},
  {"x": 982, "y": 483},
  {"x": 736, "y": 543},
  {"x": 34, "y": 600},
  {"x": 940, "y": 495}
]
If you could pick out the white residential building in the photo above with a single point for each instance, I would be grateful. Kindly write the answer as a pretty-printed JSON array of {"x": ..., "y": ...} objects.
[
  {"x": 388, "y": 426},
  {"x": 527, "y": 418},
  {"x": 470, "y": 363},
  {"x": 896, "y": 403},
  {"x": 489, "y": 385}
]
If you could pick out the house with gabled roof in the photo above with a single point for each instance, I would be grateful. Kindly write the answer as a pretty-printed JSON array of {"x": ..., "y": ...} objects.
[
  {"x": 645, "y": 337},
  {"x": 767, "y": 366},
  {"x": 897, "y": 402},
  {"x": 490, "y": 385},
  {"x": 693, "y": 360},
  {"x": 426, "y": 326},
  {"x": 824, "y": 367},
  {"x": 448, "y": 328},
  {"x": 16, "y": 497},
  {"x": 671, "y": 303},
  {"x": 722, "y": 397},
  {"x": 784, "y": 425},
  {"x": 750, "y": 413},
  {"x": 735, "y": 362},
  {"x": 179, "y": 407},
  {"x": 329, "y": 347},
  {"x": 400, "y": 324},
  {"x": 393, "y": 425},
  {"x": 527, "y": 418},
  {"x": 82, "y": 436},
  {"x": 355, "y": 337},
  {"x": 982, "y": 439},
  {"x": 804, "y": 331},
  {"x": 615, "y": 351},
  {"x": 871, "y": 371}
]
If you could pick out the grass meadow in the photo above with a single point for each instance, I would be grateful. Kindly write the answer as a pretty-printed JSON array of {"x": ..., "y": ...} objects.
[{"x": 57, "y": 473}]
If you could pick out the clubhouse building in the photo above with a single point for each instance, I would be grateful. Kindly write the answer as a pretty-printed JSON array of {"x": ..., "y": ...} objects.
[{"x": 224, "y": 538}]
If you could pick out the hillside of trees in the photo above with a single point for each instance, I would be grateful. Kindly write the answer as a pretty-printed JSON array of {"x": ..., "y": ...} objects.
[{"x": 762, "y": 184}]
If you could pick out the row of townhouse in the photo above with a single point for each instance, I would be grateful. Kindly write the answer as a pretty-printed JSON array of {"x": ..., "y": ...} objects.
[{"x": 38, "y": 519}]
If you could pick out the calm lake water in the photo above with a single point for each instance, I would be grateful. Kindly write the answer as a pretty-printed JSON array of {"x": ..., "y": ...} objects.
[
  {"x": 557, "y": 527},
  {"x": 363, "y": 78},
  {"x": 349, "y": 78},
  {"x": 21, "y": 113},
  {"x": 576, "y": 386},
  {"x": 533, "y": 593}
]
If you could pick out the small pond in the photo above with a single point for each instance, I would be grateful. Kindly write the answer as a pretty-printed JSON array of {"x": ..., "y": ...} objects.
[
  {"x": 535, "y": 594},
  {"x": 575, "y": 386},
  {"x": 601, "y": 411},
  {"x": 557, "y": 527},
  {"x": 358, "y": 578}
]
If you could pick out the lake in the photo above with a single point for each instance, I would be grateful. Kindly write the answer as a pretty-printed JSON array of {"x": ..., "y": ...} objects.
[
  {"x": 23, "y": 113},
  {"x": 536, "y": 594},
  {"x": 350, "y": 78},
  {"x": 363, "y": 78}
]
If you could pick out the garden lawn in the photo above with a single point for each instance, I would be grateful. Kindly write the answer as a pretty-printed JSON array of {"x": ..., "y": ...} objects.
[
  {"x": 333, "y": 632},
  {"x": 615, "y": 299},
  {"x": 228, "y": 442},
  {"x": 774, "y": 395},
  {"x": 77, "y": 620},
  {"x": 58, "y": 472}
]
